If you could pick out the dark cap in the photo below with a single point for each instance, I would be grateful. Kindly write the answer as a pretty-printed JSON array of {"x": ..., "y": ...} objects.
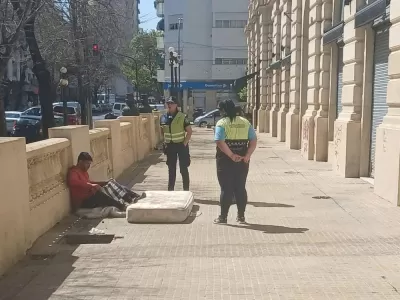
[{"x": 171, "y": 100}]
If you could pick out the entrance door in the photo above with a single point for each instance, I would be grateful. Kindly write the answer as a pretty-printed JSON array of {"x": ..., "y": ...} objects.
[
  {"x": 381, "y": 79},
  {"x": 339, "y": 81}
]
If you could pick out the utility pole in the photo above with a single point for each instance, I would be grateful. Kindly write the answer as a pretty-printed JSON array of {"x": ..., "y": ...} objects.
[{"x": 179, "y": 61}]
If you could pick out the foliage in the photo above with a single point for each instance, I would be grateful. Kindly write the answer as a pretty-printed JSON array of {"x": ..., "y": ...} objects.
[
  {"x": 141, "y": 66},
  {"x": 14, "y": 14},
  {"x": 243, "y": 94}
]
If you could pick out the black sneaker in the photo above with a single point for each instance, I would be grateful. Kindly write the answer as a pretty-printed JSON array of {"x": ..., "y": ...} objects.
[
  {"x": 220, "y": 220},
  {"x": 241, "y": 220}
]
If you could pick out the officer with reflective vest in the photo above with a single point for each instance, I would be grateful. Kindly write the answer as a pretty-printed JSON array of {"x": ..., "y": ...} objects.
[
  {"x": 236, "y": 141},
  {"x": 177, "y": 132}
]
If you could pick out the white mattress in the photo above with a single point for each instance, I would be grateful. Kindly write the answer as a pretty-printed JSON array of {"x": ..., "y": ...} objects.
[{"x": 161, "y": 207}]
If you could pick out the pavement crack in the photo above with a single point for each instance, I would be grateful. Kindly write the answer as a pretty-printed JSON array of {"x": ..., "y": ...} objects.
[{"x": 393, "y": 287}]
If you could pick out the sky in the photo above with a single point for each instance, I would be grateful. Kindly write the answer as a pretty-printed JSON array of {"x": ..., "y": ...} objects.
[{"x": 148, "y": 17}]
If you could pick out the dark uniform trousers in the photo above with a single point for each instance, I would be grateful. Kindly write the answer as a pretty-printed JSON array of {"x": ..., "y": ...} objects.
[
  {"x": 173, "y": 152},
  {"x": 232, "y": 178}
]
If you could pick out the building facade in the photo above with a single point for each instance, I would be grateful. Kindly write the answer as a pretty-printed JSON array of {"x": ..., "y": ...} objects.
[
  {"x": 328, "y": 75},
  {"x": 209, "y": 37}
]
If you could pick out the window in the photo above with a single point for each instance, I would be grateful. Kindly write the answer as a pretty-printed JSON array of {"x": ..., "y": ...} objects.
[
  {"x": 117, "y": 106},
  {"x": 231, "y": 61},
  {"x": 60, "y": 110},
  {"x": 12, "y": 115},
  {"x": 217, "y": 114},
  {"x": 35, "y": 111},
  {"x": 175, "y": 26},
  {"x": 230, "y": 23}
]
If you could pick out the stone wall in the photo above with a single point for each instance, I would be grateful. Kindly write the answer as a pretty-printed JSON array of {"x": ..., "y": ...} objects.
[
  {"x": 33, "y": 188},
  {"x": 322, "y": 106}
]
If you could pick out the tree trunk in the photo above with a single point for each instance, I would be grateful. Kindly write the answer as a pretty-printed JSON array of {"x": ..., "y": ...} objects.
[
  {"x": 43, "y": 76},
  {"x": 3, "y": 126},
  {"x": 3, "y": 90}
]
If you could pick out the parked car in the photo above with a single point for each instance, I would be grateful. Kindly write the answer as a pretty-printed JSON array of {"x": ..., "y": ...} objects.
[
  {"x": 30, "y": 127},
  {"x": 11, "y": 118},
  {"x": 73, "y": 114},
  {"x": 197, "y": 113},
  {"x": 212, "y": 117},
  {"x": 96, "y": 108},
  {"x": 110, "y": 116},
  {"x": 36, "y": 113},
  {"x": 117, "y": 109},
  {"x": 69, "y": 103}
]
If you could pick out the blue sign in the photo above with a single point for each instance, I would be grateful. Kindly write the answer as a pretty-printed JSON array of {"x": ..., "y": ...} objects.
[{"x": 202, "y": 85}]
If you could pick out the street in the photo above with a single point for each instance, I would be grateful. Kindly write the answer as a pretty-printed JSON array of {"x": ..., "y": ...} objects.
[{"x": 311, "y": 235}]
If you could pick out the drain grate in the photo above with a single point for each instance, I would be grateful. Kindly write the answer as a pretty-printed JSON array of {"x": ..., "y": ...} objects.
[
  {"x": 83, "y": 238},
  {"x": 291, "y": 172},
  {"x": 264, "y": 147},
  {"x": 273, "y": 157},
  {"x": 322, "y": 197}
]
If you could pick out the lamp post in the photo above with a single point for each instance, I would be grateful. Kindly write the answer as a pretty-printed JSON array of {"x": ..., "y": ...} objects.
[
  {"x": 173, "y": 63},
  {"x": 63, "y": 84},
  {"x": 179, "y": 57}
]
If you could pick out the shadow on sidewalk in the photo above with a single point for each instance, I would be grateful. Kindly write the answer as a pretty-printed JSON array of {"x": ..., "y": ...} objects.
[
  {"x": 270, "y": 229},
  {"x": 136, "y": 173},
  {"x": 255, "y": 204},
  {"x": 46, "y": 265}
]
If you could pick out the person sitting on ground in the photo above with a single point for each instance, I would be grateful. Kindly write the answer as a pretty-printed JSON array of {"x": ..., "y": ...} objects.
[{"x": 91, "y": 194}]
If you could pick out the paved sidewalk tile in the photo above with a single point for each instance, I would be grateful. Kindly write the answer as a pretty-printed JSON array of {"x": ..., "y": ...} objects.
[{"x": 311, "y": 235}]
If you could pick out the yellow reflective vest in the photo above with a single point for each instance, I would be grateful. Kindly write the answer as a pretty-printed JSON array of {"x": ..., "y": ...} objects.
[
  {"x": 175, "y": 131},
  {"x": 236, "y": 134}
]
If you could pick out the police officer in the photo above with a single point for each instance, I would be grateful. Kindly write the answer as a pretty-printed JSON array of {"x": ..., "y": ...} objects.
[
  {"x": 236, "y": 141},
  {"x": 177, "y": 132}
]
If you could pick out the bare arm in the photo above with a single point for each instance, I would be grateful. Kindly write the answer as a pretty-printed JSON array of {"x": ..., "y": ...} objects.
[
  {"x": 189, "y": 131},
  {"x": 252, "y": 147}
]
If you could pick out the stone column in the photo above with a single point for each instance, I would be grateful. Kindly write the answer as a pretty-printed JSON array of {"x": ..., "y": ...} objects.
[
  {"x": 136, "y": 125},
  {"x": 263, "y": 113},
  {"x": 256, "y": 64},
  {"x": 248, "y": 85},
  {"x": 276, "y": 82},
  {"x": 322, "y": 117},
  {"x": 387, "y": 164},
  {"x": 270, "y": 78},
  {"x": 115, "y": 146},
  {"x": 251, "y": 67},
  {"x": 185, "y": 103},
  {"x": 286, "y": 7},
  {"x": 347, "y": 128},
  {"x": 293, "y": 116},
  {"x": 78, "y": 135},
  {"x": 14, "y": 190},
  {"x": 314, "y": 83}
]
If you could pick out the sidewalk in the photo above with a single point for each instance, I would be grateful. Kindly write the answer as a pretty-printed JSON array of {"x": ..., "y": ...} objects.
[{"x": 295, "y": 246}]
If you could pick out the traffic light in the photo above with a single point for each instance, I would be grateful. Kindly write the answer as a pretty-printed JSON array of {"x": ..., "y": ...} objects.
[{"x": 95, "y": 49}]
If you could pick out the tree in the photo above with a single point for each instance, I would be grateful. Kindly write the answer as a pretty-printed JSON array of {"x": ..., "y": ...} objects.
[
  {"x": 141, "y": 69},
  {"x": 243, "y": 94},
  {"x": 14, "y": 15}
]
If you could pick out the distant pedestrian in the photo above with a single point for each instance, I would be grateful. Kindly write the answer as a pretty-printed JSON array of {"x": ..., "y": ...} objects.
[
  {"x": 177, "y": 133},
  {"x": 236, "y": 141},
  {"x": 130, "y": 109}
]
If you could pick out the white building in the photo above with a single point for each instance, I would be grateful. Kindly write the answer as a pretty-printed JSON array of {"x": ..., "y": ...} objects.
[
  {"x": 120, "y": 84},
  {"x": 212, "y": 46}
]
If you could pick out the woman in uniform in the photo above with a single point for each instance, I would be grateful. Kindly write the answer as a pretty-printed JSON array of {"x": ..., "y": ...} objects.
[{"x": 236, "y": 141}]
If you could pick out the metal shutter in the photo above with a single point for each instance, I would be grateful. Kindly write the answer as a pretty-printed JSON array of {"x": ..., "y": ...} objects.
[
  {"x": 339, "y": 81},
  {"x": 381, "y": 78}
]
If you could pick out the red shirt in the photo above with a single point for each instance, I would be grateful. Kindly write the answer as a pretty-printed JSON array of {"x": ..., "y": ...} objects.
[{"x": 78, "y": 185}]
